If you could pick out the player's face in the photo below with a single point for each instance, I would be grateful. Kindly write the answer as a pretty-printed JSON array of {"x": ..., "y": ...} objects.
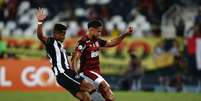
[
  {"x": 97, "y": 31},
  {"x": 59, "y": 36}
]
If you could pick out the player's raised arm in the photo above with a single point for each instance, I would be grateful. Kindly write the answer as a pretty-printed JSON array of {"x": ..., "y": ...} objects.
[
  {"x": 117, "y": 40},
  {"x": 40, "y": 17}
]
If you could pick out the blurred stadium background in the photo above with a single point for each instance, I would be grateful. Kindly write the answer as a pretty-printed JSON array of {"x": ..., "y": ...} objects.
[{"x": 160, "y": 61}]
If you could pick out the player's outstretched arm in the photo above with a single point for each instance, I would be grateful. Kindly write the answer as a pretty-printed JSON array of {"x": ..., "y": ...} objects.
[
  {"x": 40, "y": 18},
  {"x": 117, "y": 40}
]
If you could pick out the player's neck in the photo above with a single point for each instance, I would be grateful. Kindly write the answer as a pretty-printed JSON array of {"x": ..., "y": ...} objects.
[{"x": 90, "y": 36}]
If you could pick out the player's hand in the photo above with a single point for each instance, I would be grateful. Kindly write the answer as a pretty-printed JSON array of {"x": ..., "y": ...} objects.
[
  {"x": 129, "y": 31},
  {"x": 40, "y": 14}
]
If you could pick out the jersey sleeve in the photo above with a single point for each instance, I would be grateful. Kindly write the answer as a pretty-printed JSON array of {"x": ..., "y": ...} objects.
[
  {"x": 80, "y": 46},
  {"x": 102, "y": 42},
  {"x": 49, "y": 41}
]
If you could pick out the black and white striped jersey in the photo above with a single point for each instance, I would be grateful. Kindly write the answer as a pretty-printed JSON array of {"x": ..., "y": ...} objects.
[{"x": 57, "y": 56}]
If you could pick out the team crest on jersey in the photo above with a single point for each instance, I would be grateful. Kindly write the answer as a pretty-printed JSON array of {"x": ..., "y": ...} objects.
[
  {"x": 94, "y": 54},
  {"x": 80, "y": 47},
  {"x": 97, "y": 44}
]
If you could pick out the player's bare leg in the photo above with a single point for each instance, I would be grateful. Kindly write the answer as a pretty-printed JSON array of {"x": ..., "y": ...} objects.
[
  {"x": 106, "y": 92},
  {"x": 87, "y": 87},
  {"x": 83, "y": 96}
]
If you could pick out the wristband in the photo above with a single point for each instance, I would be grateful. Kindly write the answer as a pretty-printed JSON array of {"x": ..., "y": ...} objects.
[{"x": 39, "y": 23}]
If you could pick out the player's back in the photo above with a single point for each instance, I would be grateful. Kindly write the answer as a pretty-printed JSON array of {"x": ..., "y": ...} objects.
[{"x": 57, "y": 56}]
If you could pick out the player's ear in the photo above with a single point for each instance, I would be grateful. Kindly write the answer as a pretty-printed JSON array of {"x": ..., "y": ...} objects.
[{"x": 90, "y": 29}]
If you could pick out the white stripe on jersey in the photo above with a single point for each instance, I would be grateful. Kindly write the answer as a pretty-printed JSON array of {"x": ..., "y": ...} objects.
[
  {"x": 71, "y": 78},
  {"x": 55, "y": 70},
  {"x": 58, "y": 57}
]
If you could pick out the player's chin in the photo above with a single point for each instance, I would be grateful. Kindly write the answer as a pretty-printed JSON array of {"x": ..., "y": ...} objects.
[
  {"x": 62, "y": 40},
  {"x": 95, "y": 36},
  {"x": 98, "y": 35}
]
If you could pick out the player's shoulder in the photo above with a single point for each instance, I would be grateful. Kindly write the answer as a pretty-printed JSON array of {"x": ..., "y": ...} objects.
[
  {"x": 83, "y": 38},
  {"x": 50, "y": 40}
]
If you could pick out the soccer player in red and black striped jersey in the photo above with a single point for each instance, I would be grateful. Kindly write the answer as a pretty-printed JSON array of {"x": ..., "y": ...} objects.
[
  {"x": 87, "y": 51},
  {"x": 65, "y": 76}
]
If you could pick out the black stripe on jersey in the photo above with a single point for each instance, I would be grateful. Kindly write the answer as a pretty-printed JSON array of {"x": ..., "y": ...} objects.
[{"x": 57, "y": 56}]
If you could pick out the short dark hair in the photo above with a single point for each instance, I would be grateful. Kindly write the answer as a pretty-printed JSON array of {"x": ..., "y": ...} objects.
[
  {"x": 94, "y": 24},
  {"x": 59, "y": 28}
]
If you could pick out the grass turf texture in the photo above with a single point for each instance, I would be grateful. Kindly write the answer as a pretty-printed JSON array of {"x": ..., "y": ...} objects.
[{"x": 120, "y": 96}]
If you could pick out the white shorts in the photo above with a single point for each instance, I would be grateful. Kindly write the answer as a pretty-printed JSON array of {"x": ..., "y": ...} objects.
[{"x": 93, "y": 78}]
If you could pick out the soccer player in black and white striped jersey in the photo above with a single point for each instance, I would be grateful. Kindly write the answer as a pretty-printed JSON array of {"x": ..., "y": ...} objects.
[{"x": 65, "y": 76}]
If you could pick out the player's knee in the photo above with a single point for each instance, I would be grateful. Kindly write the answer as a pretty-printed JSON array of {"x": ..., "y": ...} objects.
[
  {"x": 84, "y": 96},
  {"x": 110, "y": 98},
  {"x": 106, "y": 92},
  {"x": 104, "y": 88},
  {"x": 87, "y": 98},
  {"x": 90, "y": 86},
  {"x": 86, "y": 86}
]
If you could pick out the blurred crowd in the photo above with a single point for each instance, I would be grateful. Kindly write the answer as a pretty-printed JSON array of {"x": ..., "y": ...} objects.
[
  {"x": 168, "y": 19},
  {"x": 17, "y": 16}
]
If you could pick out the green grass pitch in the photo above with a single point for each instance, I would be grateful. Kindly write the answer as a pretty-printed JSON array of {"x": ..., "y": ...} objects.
[{"x": 120, "y": 96}]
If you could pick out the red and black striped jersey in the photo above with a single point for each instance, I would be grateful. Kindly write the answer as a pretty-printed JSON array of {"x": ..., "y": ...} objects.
[{"x": 89, "y": 49}]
